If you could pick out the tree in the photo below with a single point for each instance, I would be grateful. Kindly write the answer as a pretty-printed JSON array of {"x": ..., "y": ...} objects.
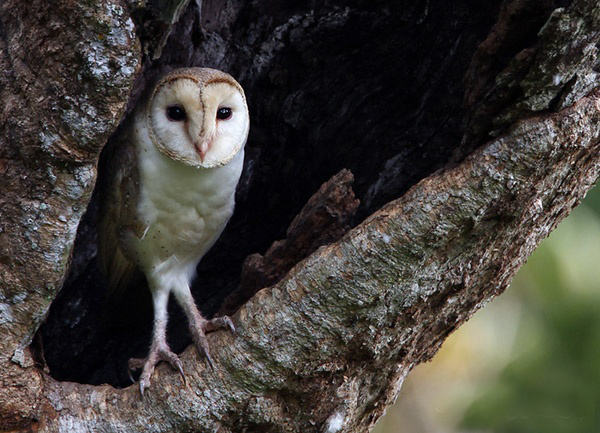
[{"x": 468, "y": 131}]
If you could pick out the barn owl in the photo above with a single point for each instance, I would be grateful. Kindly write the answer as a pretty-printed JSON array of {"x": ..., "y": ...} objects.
[{"x": 170, "y": 194}]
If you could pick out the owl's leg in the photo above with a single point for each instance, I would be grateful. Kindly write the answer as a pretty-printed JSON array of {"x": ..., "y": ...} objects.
[
  {"x": 199, "y": 326},
  {"x": 159, "y": 349}
]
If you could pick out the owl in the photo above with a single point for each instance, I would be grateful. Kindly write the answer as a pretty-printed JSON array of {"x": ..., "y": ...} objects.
[{"x": 170, "y": 193}]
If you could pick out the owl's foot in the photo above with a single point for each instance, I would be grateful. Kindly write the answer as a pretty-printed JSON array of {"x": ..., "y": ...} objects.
[
  {"x": 202, "y": 326},
  {"x": 158, "y": 352}
]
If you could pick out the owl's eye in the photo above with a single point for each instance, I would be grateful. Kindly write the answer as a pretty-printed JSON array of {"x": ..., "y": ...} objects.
[
  {"x": 175, "y": 113},
  {"x": 224, "y": 113}
]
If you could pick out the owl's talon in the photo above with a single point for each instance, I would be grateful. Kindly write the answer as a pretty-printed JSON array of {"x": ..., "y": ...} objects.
[
  {"x": 209, "y": 361},
  {"x": 157, "y": 354},
  {"x": 134, "y": 364},
  {"x": 200, "y": 329},
  {"x": 221, "y": 323},
  {"x": 229, "y": 323},
  {"x": 202, "y": 345},
  {"x": 218, "y": 323},
  {"x": 182, "y": 374},
  {"x": 130, "y": 375}
]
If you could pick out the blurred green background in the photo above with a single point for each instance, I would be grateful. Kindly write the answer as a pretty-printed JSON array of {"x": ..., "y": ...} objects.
[{"x": 529, "y": 361}]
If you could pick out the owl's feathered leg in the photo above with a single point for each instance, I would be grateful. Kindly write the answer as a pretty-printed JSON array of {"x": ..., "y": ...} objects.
[
  {"x": 198, "y": 325},
  {"x": 159, "y": 349}
]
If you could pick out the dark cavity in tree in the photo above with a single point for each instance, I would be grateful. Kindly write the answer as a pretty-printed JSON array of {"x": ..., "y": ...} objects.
[{"x": 373, "y": 87}]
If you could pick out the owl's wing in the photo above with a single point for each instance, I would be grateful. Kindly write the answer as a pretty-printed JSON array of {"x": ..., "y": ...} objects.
[{"x": 117, "y": 214}]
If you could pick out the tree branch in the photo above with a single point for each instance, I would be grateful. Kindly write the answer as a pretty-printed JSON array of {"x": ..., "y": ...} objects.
[{"x": 337, "y": 336}]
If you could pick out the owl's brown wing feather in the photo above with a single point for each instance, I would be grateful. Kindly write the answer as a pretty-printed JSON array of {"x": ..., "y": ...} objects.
[{"x": 118, "y": 207}]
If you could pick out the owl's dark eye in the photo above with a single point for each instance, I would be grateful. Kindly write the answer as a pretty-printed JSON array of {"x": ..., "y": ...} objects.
[
  {"x": 175, "y": 113},
  {"x": 224, "y": 113}
]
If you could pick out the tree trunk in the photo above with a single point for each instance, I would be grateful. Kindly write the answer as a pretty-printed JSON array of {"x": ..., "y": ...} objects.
[{"x": 439, "y": 142}]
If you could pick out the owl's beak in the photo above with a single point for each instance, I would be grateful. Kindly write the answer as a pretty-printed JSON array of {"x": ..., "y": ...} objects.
[{"x": 202, "y": 148}]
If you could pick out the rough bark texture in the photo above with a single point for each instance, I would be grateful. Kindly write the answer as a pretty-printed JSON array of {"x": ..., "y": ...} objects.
[
  {"x": 66, "y": 73},
  {"x": 324, "y": 219},
  {"x": 330, "y": 86}
]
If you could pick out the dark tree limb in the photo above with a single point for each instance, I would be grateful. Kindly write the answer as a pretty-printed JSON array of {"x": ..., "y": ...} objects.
[{"x": 325, "y": 218}]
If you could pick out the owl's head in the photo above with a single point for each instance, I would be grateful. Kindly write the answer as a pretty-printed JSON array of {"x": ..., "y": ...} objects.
[{"x": 198, "y": 116}]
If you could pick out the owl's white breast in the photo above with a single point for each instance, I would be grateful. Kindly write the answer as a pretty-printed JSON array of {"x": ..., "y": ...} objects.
[{"x": 184, "y": 209}]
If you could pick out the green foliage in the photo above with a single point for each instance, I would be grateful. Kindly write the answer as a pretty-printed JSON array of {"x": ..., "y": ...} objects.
[{"x": 551, "y": 385}]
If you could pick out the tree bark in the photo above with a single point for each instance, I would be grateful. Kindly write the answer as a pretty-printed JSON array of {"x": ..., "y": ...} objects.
[
  {"x": 66, "y": 71},
  {"x": 471, "y": 189}
]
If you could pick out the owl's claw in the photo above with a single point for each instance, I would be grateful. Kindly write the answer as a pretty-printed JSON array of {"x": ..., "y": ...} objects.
[
  {"x": 229, "y": 323},
  {"x": 219, "y": 323},
  {"x": 209, "y": 361},
  {"x": 199, "y": 334},
  {"x": 157, "y": 353},
  {"x": 160, "y": 351}
]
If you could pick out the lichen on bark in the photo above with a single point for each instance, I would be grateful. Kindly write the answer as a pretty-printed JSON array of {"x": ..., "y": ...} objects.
[{"x": 67, "y": 69}]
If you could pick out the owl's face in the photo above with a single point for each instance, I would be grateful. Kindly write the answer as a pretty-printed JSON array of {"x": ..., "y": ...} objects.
[{"x": 198, "y": 116}]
